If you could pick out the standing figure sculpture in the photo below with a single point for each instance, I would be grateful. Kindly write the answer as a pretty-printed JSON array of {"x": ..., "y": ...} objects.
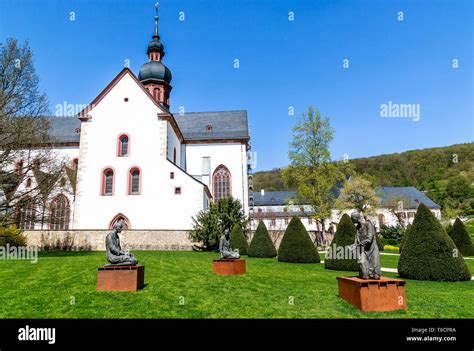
[
  {"x": 115, "y": 255},
  {"x": 366, "y": 247},
  {"x": 224, "y": 247}
]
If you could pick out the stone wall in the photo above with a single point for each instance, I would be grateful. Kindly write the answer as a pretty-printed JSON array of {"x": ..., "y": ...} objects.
[{"x": 95, "y": 239}]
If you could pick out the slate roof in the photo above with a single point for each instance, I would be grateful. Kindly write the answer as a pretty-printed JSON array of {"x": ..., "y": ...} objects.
[
  {"x": 411, "y": 195},
  {"x": 224, "y": 124},
  {"x": 193, "y": 126},
  {"x": 63, "y": 129}
]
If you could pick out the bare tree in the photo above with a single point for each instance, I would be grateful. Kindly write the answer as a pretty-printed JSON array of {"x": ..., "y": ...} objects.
[{"x": 24, "y": 132}]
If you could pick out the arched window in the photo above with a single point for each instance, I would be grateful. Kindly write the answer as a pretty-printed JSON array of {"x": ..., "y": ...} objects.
[
  {"x": 123, "y": 145},
  {"x": 120, "y": 217},
  {"x": 28, "y": 183},
  {"x": 381, "y": 219},
  {"x": 134, "y": 181},
  {"x": 59, "y": 213},
  {"x": 108, "y": 181},
  {"x": 221, "y": 182},
  {"x": 26, "y": 215}
]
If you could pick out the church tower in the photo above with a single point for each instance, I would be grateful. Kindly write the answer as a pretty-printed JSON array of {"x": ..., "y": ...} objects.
[{"x": 154, "y": 75}]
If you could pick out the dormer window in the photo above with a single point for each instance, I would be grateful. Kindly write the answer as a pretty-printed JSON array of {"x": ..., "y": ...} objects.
[{"x": 209, "y": 127}]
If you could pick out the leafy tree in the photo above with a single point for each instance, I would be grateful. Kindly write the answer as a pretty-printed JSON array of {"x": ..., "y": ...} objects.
[
  {"x": 12, "y": 235},
  {"x": 461, "y": 238},
  {"x": 238, "y": 240},
  {"x": 358, "y": 193},
  {"x": 428, "y": 253},
  {"x": 458, "y": 187},
  {"x": 296, "y": 245},
  {"x": 311, "y": 171},
  {"x": 261, "y": 245},
  {"x": 344, "y": 236},
  {"x": 209, "y": 226}
]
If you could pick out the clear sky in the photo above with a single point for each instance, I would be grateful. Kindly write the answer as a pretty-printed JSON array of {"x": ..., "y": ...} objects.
[{"x": 283, "y": 63}]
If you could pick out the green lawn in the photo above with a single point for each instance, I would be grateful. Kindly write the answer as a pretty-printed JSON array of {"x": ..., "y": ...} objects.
[{"x": 45, "y": 290}]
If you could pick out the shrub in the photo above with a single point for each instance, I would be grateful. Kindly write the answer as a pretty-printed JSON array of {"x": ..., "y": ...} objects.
[
  {"x": 344, "y": 236},
  {"x": 428, "y": 253},
  {"x": 392, "y": 232},
  {"x": 379, "y": 241},
  {"x": 209, "y": 226},
  {"x": 238, "y": 240},
  {"x": 261, "y": 245},
  {"x": 390, "y": 247},
  {"x": 461, "y": 238},
  {"x": 390, "y": 241},
  {"x": 12, "y": 235},
  {"x": 296, "y": 245}
]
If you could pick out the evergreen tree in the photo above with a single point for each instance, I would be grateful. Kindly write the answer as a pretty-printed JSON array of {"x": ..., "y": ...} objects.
[
  {"x": 428, "y": 252},
  {"x": 461, "y": 238},
  {"x": 261, "y": 245},
  {"x": 238, "y": 240},
  {"x": 345, "y": 236},
  {"x": 296, "y": 245}
]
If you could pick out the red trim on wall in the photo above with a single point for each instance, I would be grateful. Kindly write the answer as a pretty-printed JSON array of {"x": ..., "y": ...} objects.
[
  {"x": 102, "y": 181},
  {"x": 120, "y": 216},
  {"x": 230, "y": 180},
  {"x": 119, "y": 145},
  {"x": 129, "y": 180}
]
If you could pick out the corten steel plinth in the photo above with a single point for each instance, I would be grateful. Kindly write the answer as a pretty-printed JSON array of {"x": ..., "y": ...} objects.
[
  {"x": 227, "y": 266},
  {"x": 370, "y": 295},
  {"x": 120, "y": 278}
]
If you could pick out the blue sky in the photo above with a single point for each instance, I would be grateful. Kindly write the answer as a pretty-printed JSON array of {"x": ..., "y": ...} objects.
[{"x": 282, "y": 63}]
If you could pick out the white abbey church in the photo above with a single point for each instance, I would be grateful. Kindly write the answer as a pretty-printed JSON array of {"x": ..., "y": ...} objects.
[{"x": 197, "y": 158}]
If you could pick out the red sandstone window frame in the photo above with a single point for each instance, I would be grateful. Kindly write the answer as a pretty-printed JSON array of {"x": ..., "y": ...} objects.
[
  {"x": 178, "y": 190},
  {"x": 130, "y": 180},
  {"x": 26, "y": 209},
  {"x": 214, "y": 174},
  {"x": 104, "y": 181},
  {"x": 120, "y": 145},
  {"x": 64, "y": 218},
  {"x": 120, "y": 216}
]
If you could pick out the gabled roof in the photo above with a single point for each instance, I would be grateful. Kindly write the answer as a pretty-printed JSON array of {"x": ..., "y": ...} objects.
[
  {"x": 411, "y": 196},
  {"x": 219, "y": 125},
  {"x": 64, "y": 129}
]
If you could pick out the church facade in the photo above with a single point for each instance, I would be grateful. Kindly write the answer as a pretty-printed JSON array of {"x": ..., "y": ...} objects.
[{"x": 129, "y": 158}]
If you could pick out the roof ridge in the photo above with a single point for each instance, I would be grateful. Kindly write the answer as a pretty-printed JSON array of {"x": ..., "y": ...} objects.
[{"x": 196, "y": 112}]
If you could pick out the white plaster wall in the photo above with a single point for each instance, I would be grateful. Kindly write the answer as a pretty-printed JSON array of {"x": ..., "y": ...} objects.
[
  {"x": 173, "y": 142},
  {"x": 231, "y": 155},
  {"x": 157, "y": 207}
]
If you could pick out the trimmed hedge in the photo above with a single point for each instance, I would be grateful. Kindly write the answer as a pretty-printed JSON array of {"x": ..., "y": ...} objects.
[
  {"x": 461, "y": 238},
  {"x": 238, "y": 240},
  {"x": 402, "y": 242},
  {"x": 261, "y": 245},
  {"x": 428, "y": 253},
  {"x": 296, "y": 245},
  {"x": 344, "y": 236}
]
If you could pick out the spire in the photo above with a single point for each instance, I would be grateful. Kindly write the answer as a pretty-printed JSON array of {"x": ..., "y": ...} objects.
[{"x": 156, "y": 36}]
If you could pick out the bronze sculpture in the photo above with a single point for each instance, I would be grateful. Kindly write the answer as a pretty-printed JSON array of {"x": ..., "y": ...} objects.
[
  {"x": 368, "y": 255},
  {"x": 115, "y": 254},
  {"x": 225, "y": 249}
]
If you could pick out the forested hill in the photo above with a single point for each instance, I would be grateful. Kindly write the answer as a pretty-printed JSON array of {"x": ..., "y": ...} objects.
[{"x": 420, "y": 168}]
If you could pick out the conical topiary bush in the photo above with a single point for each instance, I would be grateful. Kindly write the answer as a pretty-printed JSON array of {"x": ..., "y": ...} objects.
[
  {"x": 345, "y": 236},
  {"x": 461, "y": 238},
  {"x": 238, "y": 240},
  {"x": 402, "y": 242},
  {"x": 296, "y": 245},
  {"x": 428, "y": 252},
  {"x": 261, "y": 245}
]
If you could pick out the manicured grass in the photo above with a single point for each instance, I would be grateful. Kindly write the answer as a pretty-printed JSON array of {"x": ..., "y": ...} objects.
[{"x": 46, "y": 289}]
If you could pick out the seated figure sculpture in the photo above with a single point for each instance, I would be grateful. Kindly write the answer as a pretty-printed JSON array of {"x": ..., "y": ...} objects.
[
  {"x": 115, "y": 254},
  {"x": 225, "y": 249}
]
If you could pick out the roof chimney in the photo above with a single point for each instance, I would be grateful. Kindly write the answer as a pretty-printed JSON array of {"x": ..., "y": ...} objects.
[{"x": 262, "y": 192}]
